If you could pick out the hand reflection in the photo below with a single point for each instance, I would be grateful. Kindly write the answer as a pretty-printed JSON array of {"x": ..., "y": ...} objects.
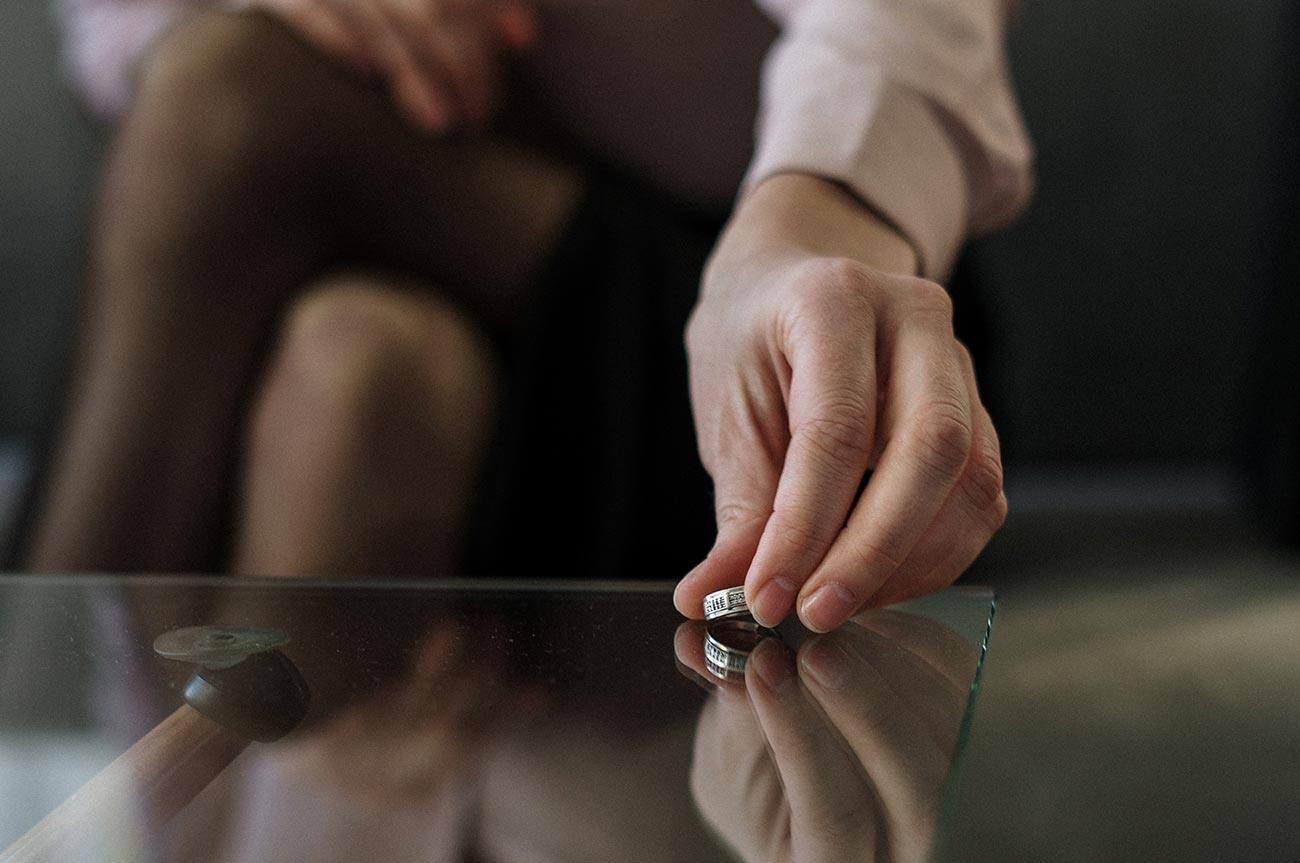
[
  {"x": 838, "y": 753},
  {"x": 419, "y": 735}
]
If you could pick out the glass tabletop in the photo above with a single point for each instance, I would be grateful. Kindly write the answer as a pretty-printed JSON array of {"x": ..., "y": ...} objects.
[{"x": 187, "y": 718}]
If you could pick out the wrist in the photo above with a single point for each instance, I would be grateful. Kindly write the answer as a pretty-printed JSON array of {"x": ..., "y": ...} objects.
[{"x": 791, "y": 216}]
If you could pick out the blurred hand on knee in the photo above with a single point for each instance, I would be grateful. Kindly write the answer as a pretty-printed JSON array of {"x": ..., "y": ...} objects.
[{"x": 437, "y": 58}]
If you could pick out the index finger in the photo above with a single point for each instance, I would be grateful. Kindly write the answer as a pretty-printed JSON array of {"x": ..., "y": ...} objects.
[
  {"x": 830, "y": 799},
  {"x": 832, "y": 429},
  {"x": 906, "y": 769},
  {"x": 929, "y": 405}
]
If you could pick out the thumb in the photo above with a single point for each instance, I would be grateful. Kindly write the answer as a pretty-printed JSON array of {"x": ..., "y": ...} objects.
[{"x": 742, "y": 505}]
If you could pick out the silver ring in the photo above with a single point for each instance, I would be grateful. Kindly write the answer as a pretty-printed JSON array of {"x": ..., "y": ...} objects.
[
  {"x": 723, "y": 662},
  {"x": 725, "y": 603},
  {"x": 727, "y": 645}
]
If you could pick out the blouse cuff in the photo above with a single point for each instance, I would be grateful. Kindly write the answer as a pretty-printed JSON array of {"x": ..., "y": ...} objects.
[
  {"x": 103, "y": 46},
  {"x": 848, "y": 122}
]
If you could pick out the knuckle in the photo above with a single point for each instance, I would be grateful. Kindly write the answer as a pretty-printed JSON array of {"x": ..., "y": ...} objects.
[
  {"x": 998, "y": 515},
  {"x": 931, "y": 297},
  {"x": 828, "y": 287},
  {"x": 840, "y": 434},
  {"x": 843, "y": 274},
  {"x": 799, "y": 531},
  {"x": 964, "y": 356},
  {"x": 943, "y": 437},
  {"x": 877, "y": 558},
  {"x": 732, "y": 514},
  {"x": 982, "y": 484}
]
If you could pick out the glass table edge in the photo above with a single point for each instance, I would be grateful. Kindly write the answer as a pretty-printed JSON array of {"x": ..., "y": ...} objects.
[
  {"x": 469, "y": 583},
  {"x": 402, "y": 583},
  {"x": 948, "y": 796}
]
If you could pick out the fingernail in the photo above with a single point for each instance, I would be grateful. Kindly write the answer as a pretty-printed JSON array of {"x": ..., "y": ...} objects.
[
  {"x": 828, "y": 607},
  {"x": 772, "y": 662},
  {"x": 685, "y": 580},
  {"x": 773, "y": 601},
  {"x": 677, "y": 597},
  {"x": 827, "y": 663}
]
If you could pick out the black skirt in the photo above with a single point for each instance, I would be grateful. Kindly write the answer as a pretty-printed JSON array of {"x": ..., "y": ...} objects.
[{"x": 594, "y": 470}]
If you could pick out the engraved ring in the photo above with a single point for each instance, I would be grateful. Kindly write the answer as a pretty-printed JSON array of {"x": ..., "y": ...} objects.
[
  {"x": 727, "y": 645},
  {"x": 725, "y": 603}
]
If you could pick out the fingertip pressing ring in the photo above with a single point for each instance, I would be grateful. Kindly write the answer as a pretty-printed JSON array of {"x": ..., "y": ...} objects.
[
  {"x": 827, "y": 607},
  {"x": 773, "y": 600}
]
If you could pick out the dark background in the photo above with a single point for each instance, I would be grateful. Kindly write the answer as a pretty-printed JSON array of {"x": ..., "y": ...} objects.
[{"x": 1137, "y": 315}]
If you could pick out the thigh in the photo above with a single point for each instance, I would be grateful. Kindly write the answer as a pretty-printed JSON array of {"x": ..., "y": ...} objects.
[
  {"x": 472, "y": 213},
  {"x": 662, "y": 91}
]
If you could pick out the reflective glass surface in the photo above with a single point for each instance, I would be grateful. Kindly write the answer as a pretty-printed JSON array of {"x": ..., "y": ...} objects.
[{"x": 458, "y": 721}]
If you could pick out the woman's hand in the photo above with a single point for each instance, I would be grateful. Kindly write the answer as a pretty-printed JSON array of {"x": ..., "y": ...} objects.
[
  {"x": 418, "y": 736},
  {"x": 813, "y": 359},
  {"x": 437, "y": 58}
]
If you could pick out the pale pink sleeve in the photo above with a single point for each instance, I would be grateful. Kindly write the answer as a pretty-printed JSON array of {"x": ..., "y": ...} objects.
[
  {"x": 906, "y": 102},
  {"x": 103, "y": 41}
]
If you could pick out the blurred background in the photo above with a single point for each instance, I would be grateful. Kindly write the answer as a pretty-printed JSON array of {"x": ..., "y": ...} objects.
[
  {"x": 1138, "y": 339},
  {"x": 1138, "y": 322}
]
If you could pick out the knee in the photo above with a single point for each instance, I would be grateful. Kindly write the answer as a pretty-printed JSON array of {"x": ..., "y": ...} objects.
[
  {"x": 357, "y": 365},
  {"x": 219, "y": 94}
]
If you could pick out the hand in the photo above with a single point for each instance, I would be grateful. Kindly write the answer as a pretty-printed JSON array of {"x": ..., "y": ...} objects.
[
  {"x": 436, "y": 57},
  {"x": 421, "y": 734},
  {"x": 843, "y": 751},
  {"x": 411, "y": 739},
  {"x": 813, "y": 359}
]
